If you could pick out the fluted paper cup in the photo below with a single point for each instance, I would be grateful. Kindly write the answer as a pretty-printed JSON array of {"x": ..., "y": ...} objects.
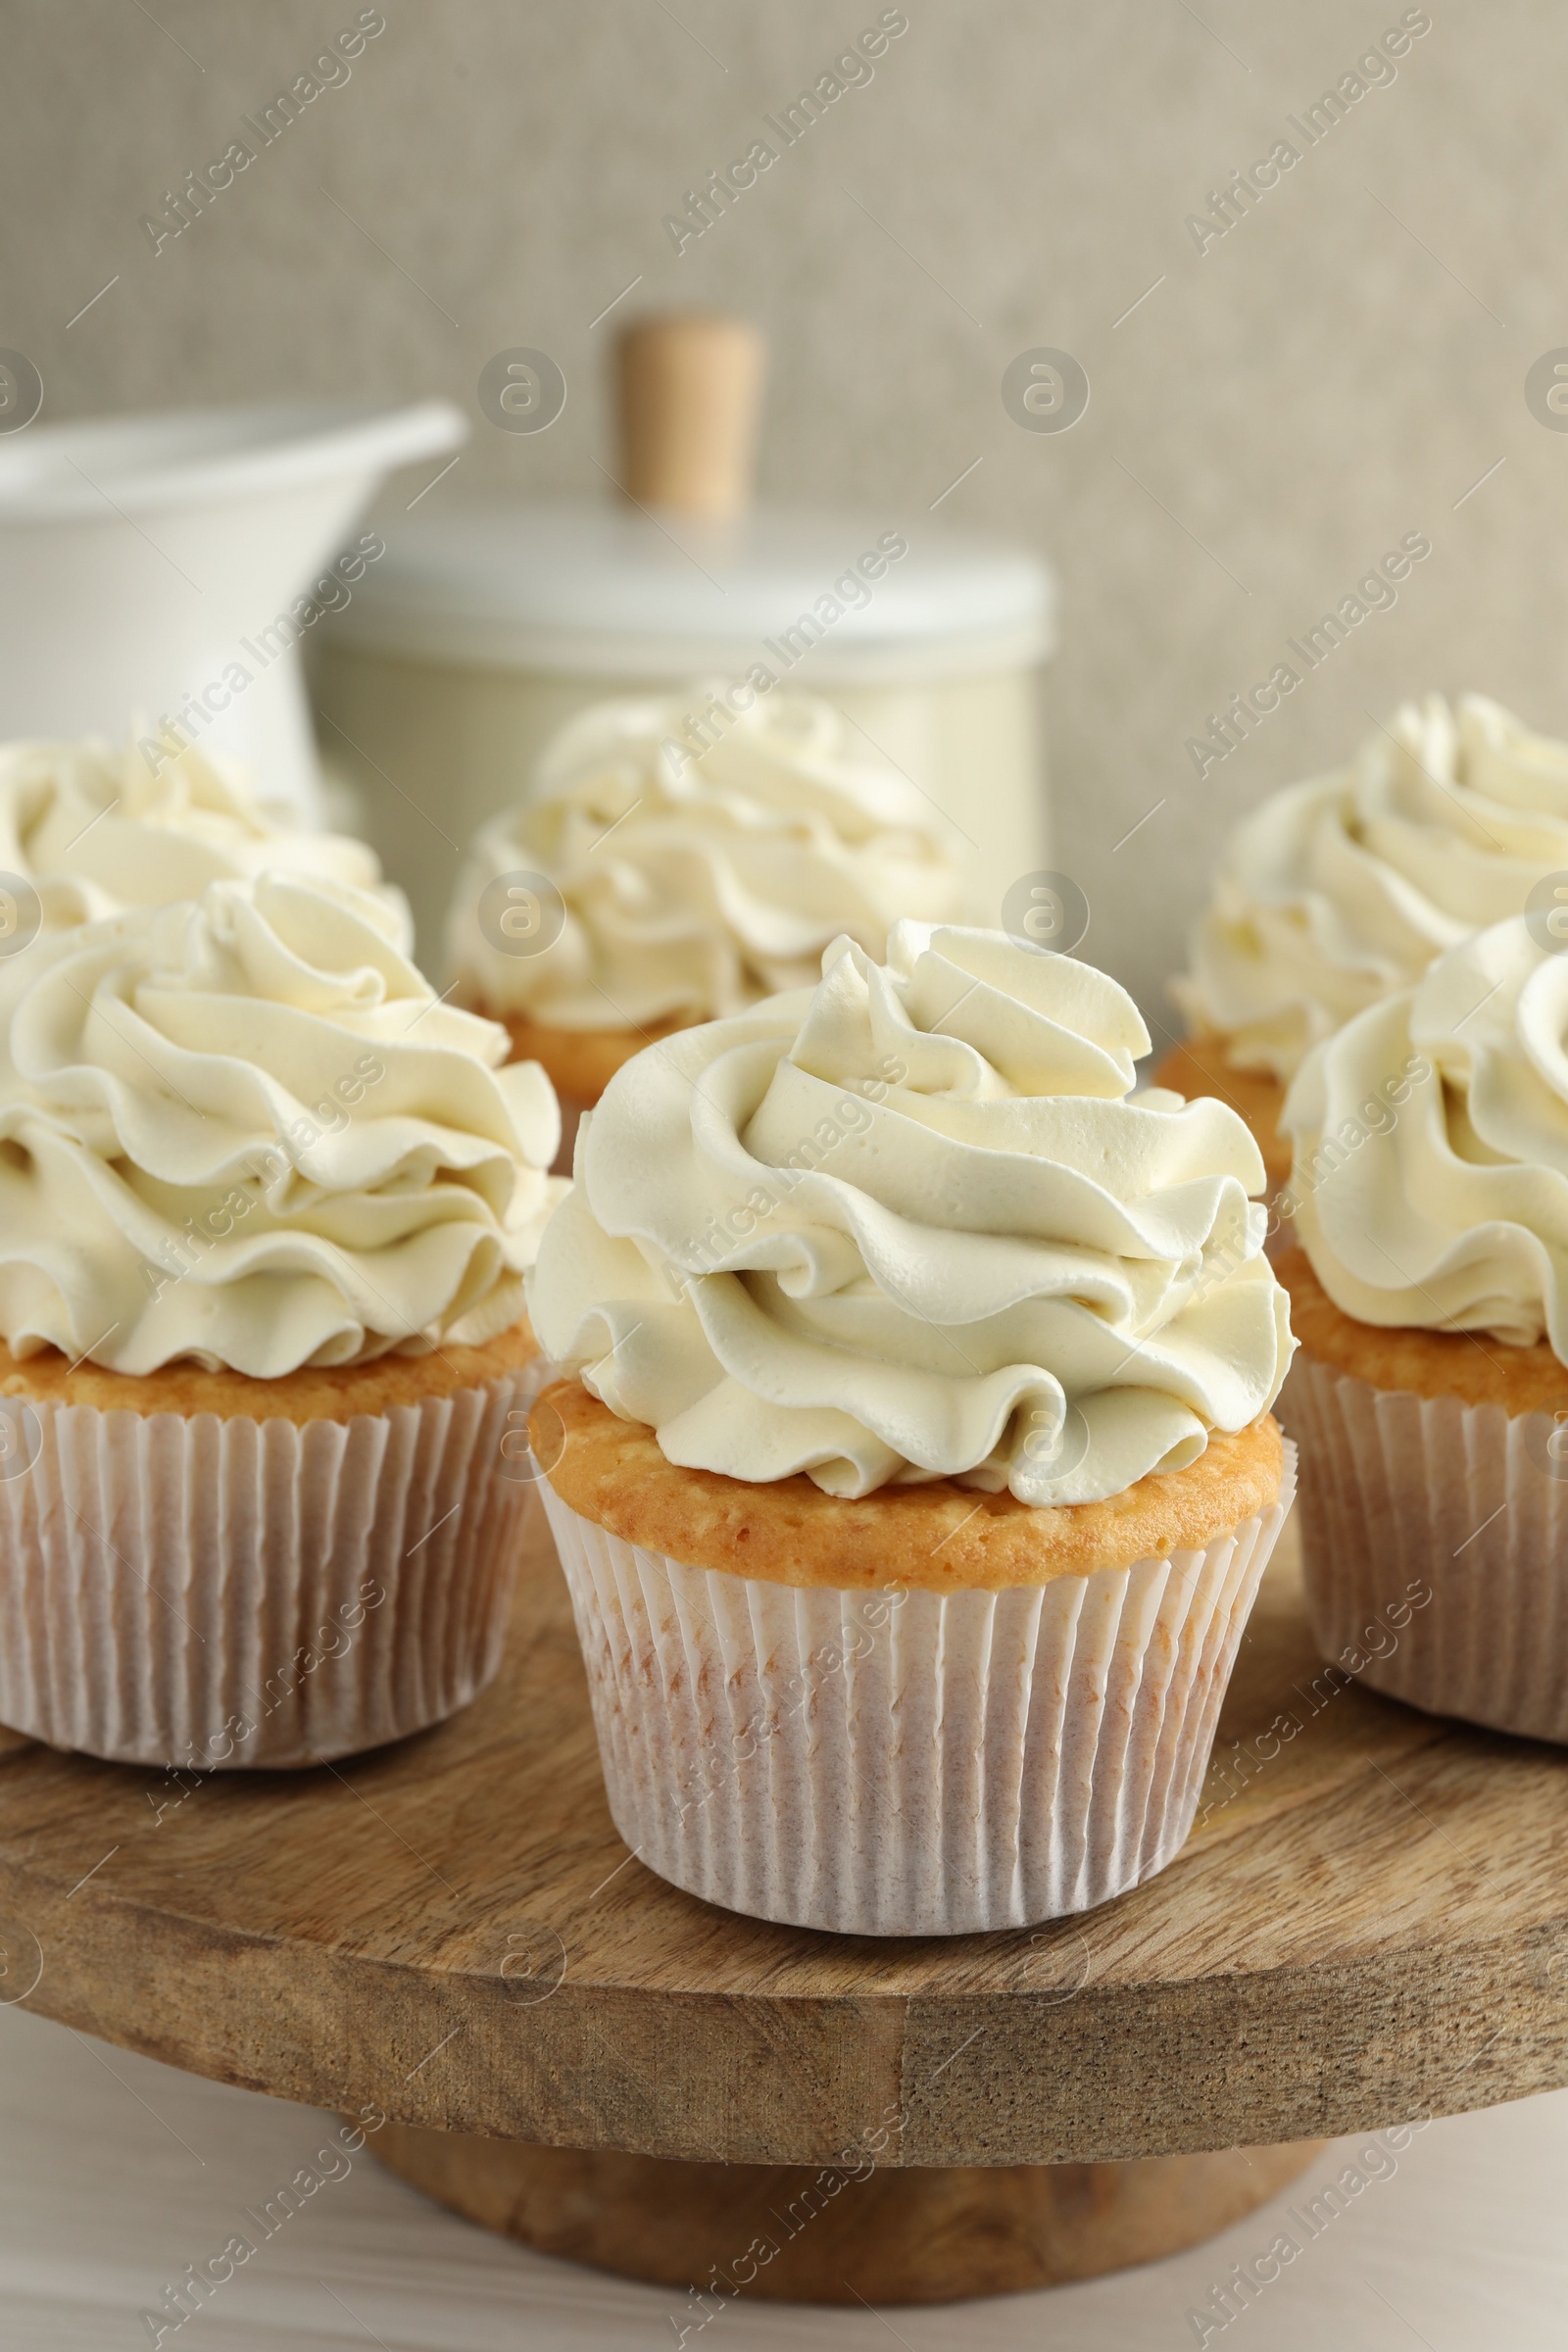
[
  {"x": 908, "y": 1763},
  {"x": 212, "y": 1592},
  {"x": 1434, "y": 1544}
]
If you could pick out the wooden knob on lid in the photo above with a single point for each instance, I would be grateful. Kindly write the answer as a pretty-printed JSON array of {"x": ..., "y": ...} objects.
[{"x": 691, "y": 388}]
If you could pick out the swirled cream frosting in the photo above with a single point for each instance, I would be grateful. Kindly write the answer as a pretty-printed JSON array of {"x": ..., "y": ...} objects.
[
  {"x": 246, "y": 1132},
  {"x": 915, "y": 1223},
  {"x": 93, "y": 830},
  {"x": 691, "y": 882},
  {"x": 1430, "y": 1142},
  {"x": 1339, "y": 892}
]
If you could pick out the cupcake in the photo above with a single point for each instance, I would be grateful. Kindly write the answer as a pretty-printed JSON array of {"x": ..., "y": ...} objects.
[
  {"x": 1430, "y": 1292},
  {"x": 918, "y": 1473},
  {"x": 86, "y": 832},
  {"x": 1338, "y": 893},
  {"x": 266, "y": 1206},
  {"x": 673, "y": 865}
]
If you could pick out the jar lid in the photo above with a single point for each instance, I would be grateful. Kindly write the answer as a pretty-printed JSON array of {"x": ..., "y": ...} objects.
[{"x": 593, "y": 589}]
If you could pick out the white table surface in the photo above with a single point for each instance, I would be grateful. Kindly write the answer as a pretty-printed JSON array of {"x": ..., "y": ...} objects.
[{"x": 115, "y": 2173}]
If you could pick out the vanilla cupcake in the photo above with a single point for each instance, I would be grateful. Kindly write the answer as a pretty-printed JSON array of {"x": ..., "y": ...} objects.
[
  {"x": 1430, "y": 1294},
  {"x": 87, "y": 832},
  {"x": 665, "y": 870},
  {"x": 1338, "y": 893},
  {"x": 920, "y": 1473},
  {"x": 266, "y": 1206}
]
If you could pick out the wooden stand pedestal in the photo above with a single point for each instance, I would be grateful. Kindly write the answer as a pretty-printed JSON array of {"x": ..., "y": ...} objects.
[
  {"x": 811, "y": 2233},
  {"x": 1369, "y": 1925}
]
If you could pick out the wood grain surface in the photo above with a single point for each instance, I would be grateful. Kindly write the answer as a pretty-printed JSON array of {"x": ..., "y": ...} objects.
[
  {"x": 1370, "y": 1923},
  {"x": 823, "y": 2234}
]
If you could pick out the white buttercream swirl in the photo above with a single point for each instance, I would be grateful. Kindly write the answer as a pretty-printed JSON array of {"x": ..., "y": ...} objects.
[
  {"x": 94, "y": 831},
  {"x": 913, "y": 1223},
  {"x": 694, "y": 881},
  {"x": 1431, "y": 1135},
  {"x": 1339, "y": 892},
  {"x": 246, "y": 1131}
]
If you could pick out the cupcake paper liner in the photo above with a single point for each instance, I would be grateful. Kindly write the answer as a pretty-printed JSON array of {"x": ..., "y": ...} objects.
[
  {"x": 1435, "y": 1542},
  {"x": 212, "y": 1592},
  {"x": 907, "y": 1762}
]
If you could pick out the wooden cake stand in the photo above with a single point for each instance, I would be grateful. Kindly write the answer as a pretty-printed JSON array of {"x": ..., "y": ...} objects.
[{"x": 1369, "y": 1925}]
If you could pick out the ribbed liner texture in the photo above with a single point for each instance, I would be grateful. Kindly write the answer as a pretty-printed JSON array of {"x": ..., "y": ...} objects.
[
  {"x": 914, "y": 1763},
  {"x": 213, "y": 1592},
  {"x": 1401, "y": 1492}
]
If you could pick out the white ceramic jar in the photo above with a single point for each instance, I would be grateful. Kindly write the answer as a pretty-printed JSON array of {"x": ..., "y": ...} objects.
[{"x": 488, "y": 623}]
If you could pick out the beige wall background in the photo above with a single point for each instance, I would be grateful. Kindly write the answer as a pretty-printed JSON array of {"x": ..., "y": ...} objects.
[{"x": 1338, "y": 370}]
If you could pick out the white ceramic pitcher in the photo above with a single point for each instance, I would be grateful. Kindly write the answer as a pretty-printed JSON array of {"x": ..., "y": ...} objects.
[{"x": 146, "y": 561}]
